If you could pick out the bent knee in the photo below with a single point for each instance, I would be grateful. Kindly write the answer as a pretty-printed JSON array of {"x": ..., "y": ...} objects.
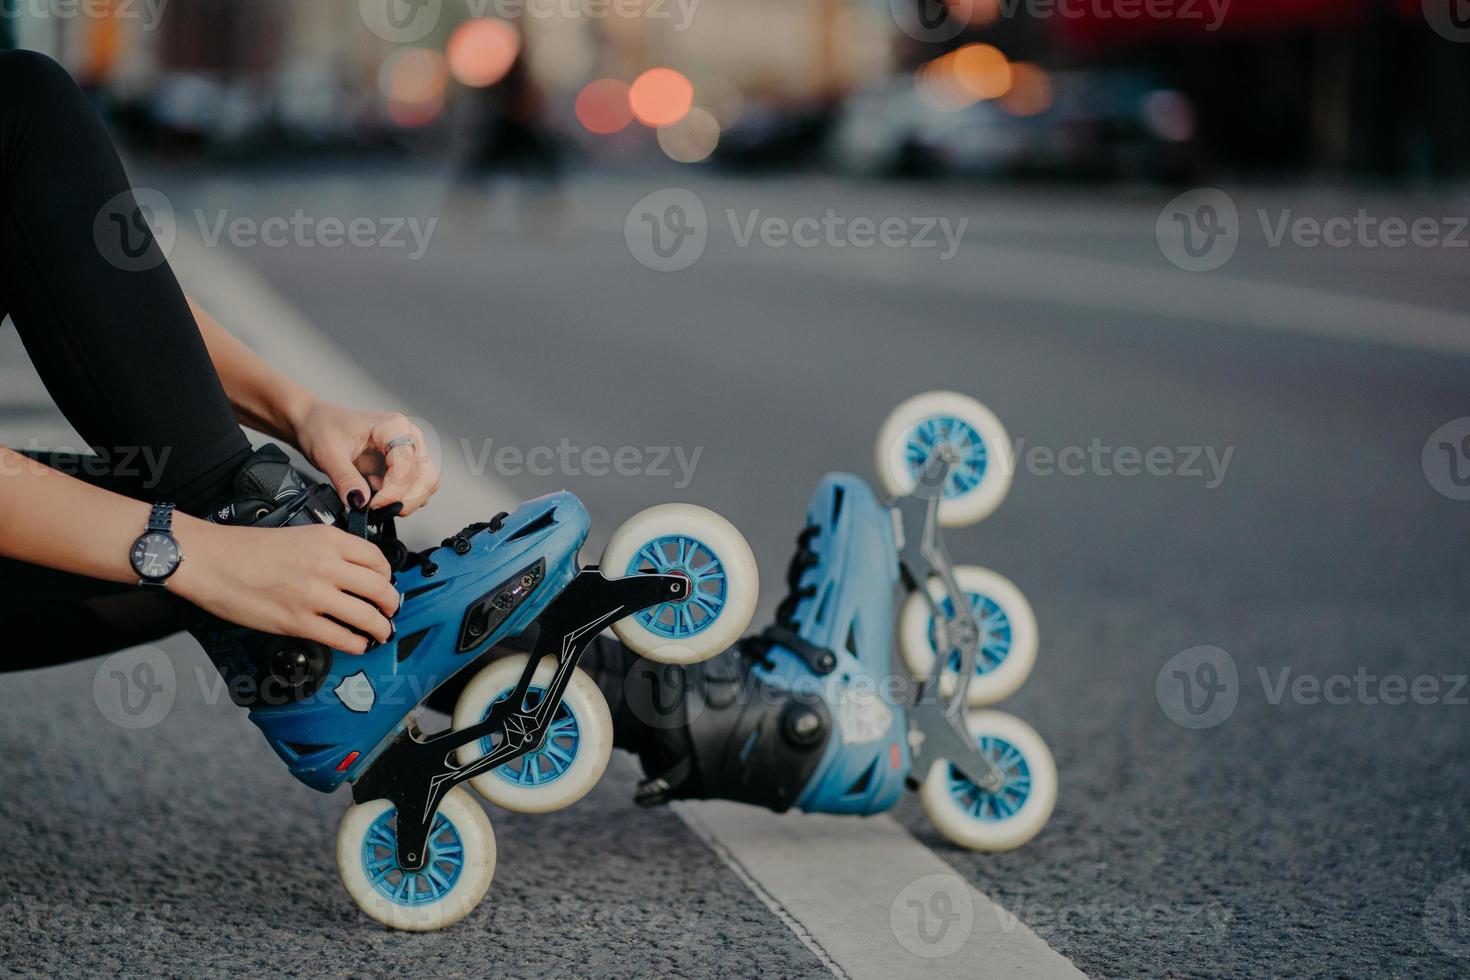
[{"x": 24, "y": 71}]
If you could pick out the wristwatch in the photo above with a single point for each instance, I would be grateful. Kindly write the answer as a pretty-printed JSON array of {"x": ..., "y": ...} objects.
[{"x": 156, "y": 554}]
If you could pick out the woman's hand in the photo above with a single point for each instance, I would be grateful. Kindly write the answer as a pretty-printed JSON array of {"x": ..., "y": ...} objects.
[
  {"x": 310, "y": 582},
  {"x": 354, "y": 448}
]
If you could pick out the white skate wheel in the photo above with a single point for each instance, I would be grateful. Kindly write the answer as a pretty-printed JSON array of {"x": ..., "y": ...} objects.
[
  {"x": 1008, "y": 636},
  {"x": 569, "y": 762},
  {"x": 724, "y": 585},
  {"x": 982, "y": 473},
  {"x": 460, "y": 865},
  {"x": 983, "y": 821}
]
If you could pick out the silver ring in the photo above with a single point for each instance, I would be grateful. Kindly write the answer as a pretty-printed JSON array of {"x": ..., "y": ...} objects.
[{"x": 400, "y": 441}]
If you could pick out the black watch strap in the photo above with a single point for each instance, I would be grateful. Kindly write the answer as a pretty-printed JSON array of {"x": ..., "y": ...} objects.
[{"x": 161, "y": 518}]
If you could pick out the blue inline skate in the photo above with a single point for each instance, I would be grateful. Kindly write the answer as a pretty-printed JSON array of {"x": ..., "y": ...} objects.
[
  {"x": 813, "y": 712},
  {"x": 531, "y": 732}
]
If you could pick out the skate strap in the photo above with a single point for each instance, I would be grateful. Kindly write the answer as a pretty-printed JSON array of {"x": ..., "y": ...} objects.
[
  {"x": 658, "y": 790},
  {"x": 819, "y": 659}
]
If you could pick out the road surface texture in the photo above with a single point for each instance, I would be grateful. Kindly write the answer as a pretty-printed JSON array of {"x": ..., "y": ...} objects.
[{"x": 1292, "y": 522}]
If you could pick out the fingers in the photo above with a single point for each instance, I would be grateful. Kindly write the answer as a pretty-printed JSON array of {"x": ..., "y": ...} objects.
[
  {"x": 350, "y": 485},
  {"x": 411, "y": 476},
  {"x": 362, "y": 553},
  {"x": 368, "y": 585},
  {"x": 351, "y": 611},
  {"x": 402, "y": 460},
  {"x": 322, "y": 630}
]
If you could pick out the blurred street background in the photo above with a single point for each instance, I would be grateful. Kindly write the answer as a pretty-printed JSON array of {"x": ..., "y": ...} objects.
[{"x": 1225, "y": 236}]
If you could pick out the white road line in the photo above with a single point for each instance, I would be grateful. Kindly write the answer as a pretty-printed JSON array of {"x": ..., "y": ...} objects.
[
  {"x": 843, "y": 885},
  {"x": 869, "y": 899}
]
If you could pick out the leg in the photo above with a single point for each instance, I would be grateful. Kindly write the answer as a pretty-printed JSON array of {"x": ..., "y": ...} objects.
[
  {"x": 114, "y": 343},
  {"x": 113, "y": 340}
]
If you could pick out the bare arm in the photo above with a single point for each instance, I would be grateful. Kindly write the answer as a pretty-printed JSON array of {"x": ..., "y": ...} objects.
[
  {"x": 349, "y": 445},
  {"x": 299, "y": 581},
  {"x": 263, "y": 398}
]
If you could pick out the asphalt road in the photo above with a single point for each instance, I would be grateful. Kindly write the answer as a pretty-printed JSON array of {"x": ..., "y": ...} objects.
[{"x": 1291, "y": 838}]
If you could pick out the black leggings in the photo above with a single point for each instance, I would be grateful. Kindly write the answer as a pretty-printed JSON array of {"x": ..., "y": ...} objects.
[{"x": 112, "y": 337}]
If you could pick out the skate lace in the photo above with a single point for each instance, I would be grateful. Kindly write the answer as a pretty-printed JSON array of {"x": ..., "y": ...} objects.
[
  {"x": 459, "y": 541},
  {"x": 757, "y": 648}
]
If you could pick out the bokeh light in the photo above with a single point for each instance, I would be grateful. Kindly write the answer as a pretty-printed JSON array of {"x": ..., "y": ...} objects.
[
  {"x": 1030, "y": 92},
  {"x": 413, "y": 82},
  {"x": 981, "y": 71},
  {"x": 660, "y": 97},
  {"x": 482, "y": 50},
  {"x": 692, "y": 138},
  {"x": 602, "y": 106},
  {"x": 939, "y": 88}
]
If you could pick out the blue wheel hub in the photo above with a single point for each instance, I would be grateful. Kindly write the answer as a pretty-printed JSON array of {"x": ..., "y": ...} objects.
[
  {"x": 995, "y": 633},
  {"x": 1007, "y": 801},
  {"x": 551, "y": 761},
  {"x": 943, "y": 430},
  {"x": 412, "y": 888},
  {"x": 677, "y": 554}
]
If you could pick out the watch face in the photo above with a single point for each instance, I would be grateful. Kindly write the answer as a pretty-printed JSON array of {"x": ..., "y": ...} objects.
[{"x": 155, "y": 555}]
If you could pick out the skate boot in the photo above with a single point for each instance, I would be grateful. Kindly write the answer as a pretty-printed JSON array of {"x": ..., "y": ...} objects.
[
  {"x": 812, "y": 713},
  {"x": 530, "y": 733}
]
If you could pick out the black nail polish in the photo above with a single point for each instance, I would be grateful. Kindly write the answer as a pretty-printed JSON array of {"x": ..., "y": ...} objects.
[{"x": 356, "y": 499}]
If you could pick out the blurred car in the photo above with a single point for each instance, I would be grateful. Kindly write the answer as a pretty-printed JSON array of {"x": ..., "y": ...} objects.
[{"x": 1099, "y": 125}]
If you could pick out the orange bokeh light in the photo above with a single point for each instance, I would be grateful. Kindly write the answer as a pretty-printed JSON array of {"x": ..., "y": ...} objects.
[
  {"x": 660, "y": 97},
  {"x": 1030, "y": 92},
  {"x": 482, "y": 50},
  {"x": 602, "y": 106},
  {"x": 981, "y": 71}
]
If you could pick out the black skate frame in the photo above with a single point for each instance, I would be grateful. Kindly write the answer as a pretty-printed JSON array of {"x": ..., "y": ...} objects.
[
  {"x": 936, "y": 725},
  {"x": 415, "y": 772}
]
